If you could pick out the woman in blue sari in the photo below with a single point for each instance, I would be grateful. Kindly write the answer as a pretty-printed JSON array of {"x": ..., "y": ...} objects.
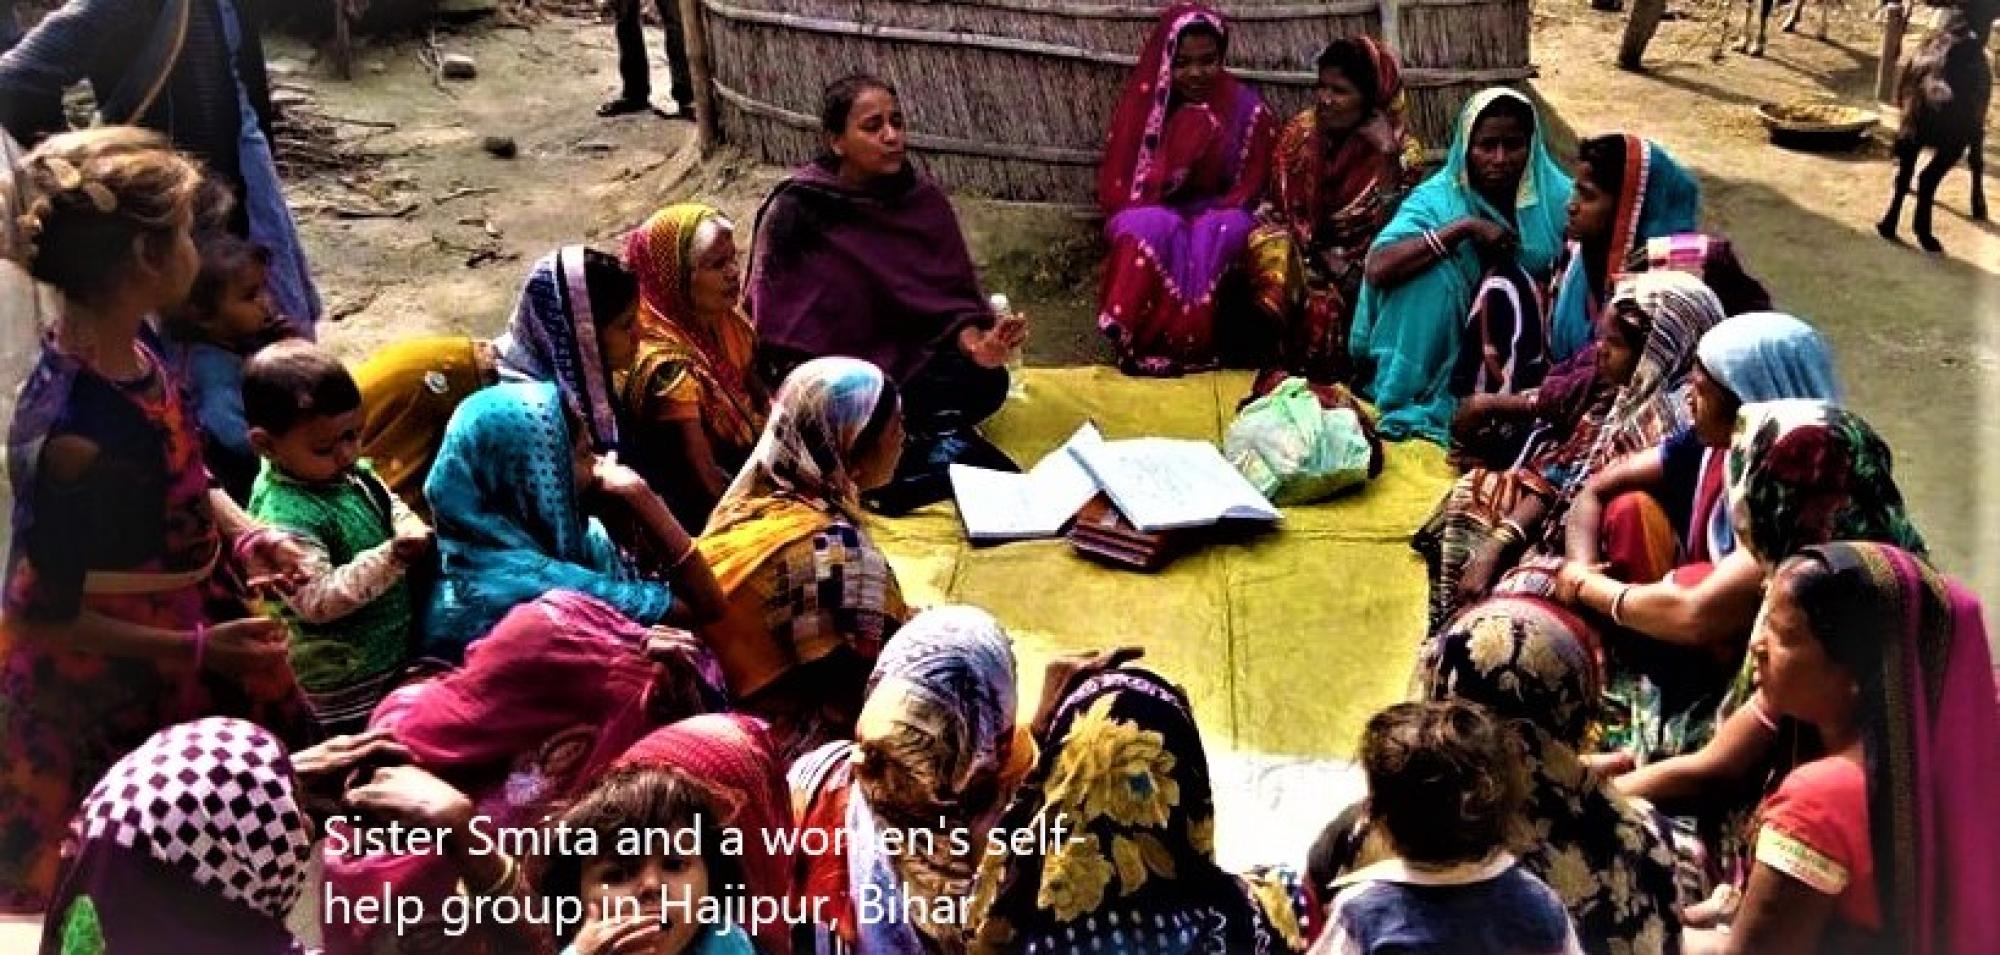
[
  {"x": 1499, "y": 196},
  {"x": 1629, "y": 191},
  {"x": 513, "y": 490}
]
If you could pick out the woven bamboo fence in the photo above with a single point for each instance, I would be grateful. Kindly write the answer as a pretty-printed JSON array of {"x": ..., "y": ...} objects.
[{"x": 1011, "y": 98}]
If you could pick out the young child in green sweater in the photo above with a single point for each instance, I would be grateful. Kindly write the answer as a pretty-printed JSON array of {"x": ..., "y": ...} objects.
[{"x": 352, "y": 621}]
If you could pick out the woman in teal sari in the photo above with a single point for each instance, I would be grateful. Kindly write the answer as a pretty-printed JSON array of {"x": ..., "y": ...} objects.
[
  {"x": 1500, "y": 196},
  {"x": 1629, "y": 191},
  {"x": 513, "y": 492}
]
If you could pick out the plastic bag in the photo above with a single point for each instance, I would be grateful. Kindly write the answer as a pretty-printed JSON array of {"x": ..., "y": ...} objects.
[{"x": 1294, "y": 450}]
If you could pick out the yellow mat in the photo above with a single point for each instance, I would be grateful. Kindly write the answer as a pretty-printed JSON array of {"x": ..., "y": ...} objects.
[{"x": 1286, "y": 644}]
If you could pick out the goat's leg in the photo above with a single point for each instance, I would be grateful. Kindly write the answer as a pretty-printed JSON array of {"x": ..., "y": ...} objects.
[
  {"x": 1907, "y": 151},
  {"x": 1942, "y": 159},
  {"x": 1975, "y": 162},
  {"x": 1763, "y": 27},
  {"x": 1749, "y": 13},
  {"x": 1791, "y": 24}
]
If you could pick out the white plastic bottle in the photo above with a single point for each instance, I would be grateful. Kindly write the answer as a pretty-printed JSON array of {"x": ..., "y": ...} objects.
[{"x": 1017, "y": 384}]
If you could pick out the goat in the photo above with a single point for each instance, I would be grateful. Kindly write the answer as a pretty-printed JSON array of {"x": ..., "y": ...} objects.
[
  {"x": 1753, "y": 43},
  {"x": 1943, "y": 92}
]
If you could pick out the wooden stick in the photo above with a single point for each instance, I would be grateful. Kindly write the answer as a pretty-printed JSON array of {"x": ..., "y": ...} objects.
[
  {"x": 694, "y": 29},
  {"x": 1889, "y": 68},
  {"x": 464, "y": 193},
  {"x": 343, "y": 41}
]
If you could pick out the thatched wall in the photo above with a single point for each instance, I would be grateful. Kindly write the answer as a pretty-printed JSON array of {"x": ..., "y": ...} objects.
[{"x": 1010, "y": 98}]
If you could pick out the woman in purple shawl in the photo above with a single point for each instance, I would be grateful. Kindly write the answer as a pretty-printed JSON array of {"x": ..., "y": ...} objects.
[{"x": 856, "y": 255}]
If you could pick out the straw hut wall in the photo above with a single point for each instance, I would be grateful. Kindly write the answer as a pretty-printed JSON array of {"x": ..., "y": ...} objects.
[{"x": 1011, "y": 98}]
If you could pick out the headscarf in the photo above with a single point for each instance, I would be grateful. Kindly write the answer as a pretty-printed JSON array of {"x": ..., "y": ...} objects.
[
  {"x": 1759, "y": 356},
  {"x": 731, "y": 758},
  {"x": 1310, "y": 186},
  {"x": 194, "y": 842},
  {"x": 936, "y": 748},
  {"x": 1124, "y": 768},
  {"x": 1927, "y": 712},
  {"x": 1653, "y": 405},
  {"x": 1807, "y": 472},
  {"x": 1610, "y": 861},
  {"x": 510, "y": 524},
  {"x": 1409, "y": 334},
  {"x": 1714, "y": 261},
  {"x": 1657, "y": 197},
  {"x": 1139, "y": 122},
  {"x": 553, "y": 337},
  {"x": 805, "y": 455},
  {"x": 543, "y": 704},
  {"x": 409, "y": 390},
  {"x": 661, "y": 255}
]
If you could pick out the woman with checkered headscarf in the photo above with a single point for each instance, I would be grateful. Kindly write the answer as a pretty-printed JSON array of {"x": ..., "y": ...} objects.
[{"x": 197, "y": 841}]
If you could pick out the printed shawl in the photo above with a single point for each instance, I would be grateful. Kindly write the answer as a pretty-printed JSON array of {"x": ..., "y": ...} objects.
[{"x": 674, "y": 342}]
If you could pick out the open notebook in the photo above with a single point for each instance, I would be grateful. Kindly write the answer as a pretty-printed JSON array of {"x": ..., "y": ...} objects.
[
  {"x": 1164, "y": 484},
  {"x": 1158, "y": 484},
  {"x": 998, "y": 506}
]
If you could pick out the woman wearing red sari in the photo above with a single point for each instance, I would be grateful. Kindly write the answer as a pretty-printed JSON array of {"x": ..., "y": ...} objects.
[
  {"x": 1188, "y": 155},
  {"x": 1341, "y": 168}
]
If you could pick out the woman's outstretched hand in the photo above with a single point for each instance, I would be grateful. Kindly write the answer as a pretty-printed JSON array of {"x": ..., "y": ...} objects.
[{"x": 993, "y": 347}]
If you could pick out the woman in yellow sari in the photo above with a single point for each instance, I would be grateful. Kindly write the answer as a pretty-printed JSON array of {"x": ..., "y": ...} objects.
[
  {"x": 810, "y": 599},
  {"x": 689, "y": 393}
]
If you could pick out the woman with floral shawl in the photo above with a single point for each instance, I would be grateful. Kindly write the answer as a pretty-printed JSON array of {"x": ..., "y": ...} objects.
[
  {"x": 1499, "y": 195},
  {"x": 937, "y": 748},
  {"x": 810, "y": 599},
  {"x": 512, "y": 492},
  {"x": 197, "y": 841},
  {"x": 1799, "y": 473},
  {"x": 729, "y": 757},
  {"x": 1122, "y": 765},
  {"x": 1612, "y": 862},
  {"x": 1884, "y": 843},
  {"x": 1187, "y": 158},
  {"x": 564, "y": 685},
  {"x": 1488, "y": 519},
  {"x": 1342, "y": 166},
  {"x": 1629, "y": 191},
  {"x": 693, "y": 400}
]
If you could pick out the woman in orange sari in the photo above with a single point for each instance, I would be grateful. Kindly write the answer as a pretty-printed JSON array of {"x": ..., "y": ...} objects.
[
  {"x": 689, "y": 391},
  {"x": 1341, "y": 168},
  {"x": 810, "y": 599}
]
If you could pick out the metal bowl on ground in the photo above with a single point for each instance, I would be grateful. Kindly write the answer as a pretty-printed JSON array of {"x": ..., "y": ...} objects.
[{"x": 1817, "y": 126}]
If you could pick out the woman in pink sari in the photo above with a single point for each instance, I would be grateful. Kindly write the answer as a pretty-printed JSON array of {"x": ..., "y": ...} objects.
[
  {"x": 562, "y": 687},
  {"x": 1886, "y": 842},
  {"x": 1189, "y": 151}
]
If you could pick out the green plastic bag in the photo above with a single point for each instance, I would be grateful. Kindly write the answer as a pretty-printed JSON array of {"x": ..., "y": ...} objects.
[{"x": 1293, "y": 450}]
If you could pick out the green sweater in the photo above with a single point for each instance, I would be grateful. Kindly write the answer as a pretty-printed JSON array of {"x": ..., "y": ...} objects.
[{"x": 346, "y": 517}]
